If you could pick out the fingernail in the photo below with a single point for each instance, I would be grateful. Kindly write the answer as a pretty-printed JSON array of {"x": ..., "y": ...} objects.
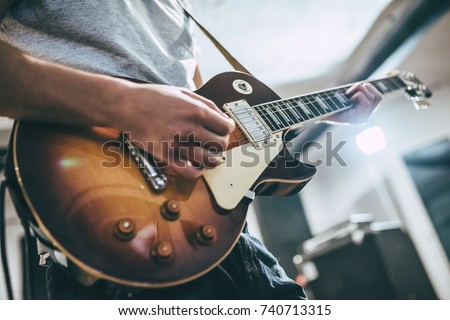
[{"x": 218, "y": 160}]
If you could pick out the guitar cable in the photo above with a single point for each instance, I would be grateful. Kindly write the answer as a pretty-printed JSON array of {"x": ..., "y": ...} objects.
[
  {"x": 27, "y": 292},
  {"x": 3, "y": 239}
]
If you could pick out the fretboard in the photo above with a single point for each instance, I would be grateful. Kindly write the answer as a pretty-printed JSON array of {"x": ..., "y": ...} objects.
[{"x": 287, "y": 113}]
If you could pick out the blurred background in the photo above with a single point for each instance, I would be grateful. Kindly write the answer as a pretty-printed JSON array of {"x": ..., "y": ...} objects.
[{"x": 374, "y": 223}]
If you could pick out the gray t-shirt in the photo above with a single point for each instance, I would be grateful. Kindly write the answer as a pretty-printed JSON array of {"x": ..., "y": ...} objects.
[{"x": 149, "y": 40}]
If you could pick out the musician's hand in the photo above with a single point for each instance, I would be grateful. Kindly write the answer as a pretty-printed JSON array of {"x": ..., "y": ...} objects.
[
  {"x": 177, "y": 126},
  {"x": 365, "y": 98}
]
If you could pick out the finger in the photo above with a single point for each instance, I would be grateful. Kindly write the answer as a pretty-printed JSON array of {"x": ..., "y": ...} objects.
[
  {"x": 211, "y": 140},
  {"x": 180, "y": 165},
  {"x": 218, "y": 124},
  {"x": 211, "y": 119},
  {"x": 362, "y": 88},
  {"x": 362, "y": 110},
  {"x": 360, "y": 100},
  {"x": 206, "y": 101},
  {"x": 377, "y": 94},
  {"x": 185, "y": 169},
  {"x": 199, "y": 157},
  {"x": 214, "y": 119},
  {"x": 204, "y": 138},
  {"x": 353, "y": 89}
]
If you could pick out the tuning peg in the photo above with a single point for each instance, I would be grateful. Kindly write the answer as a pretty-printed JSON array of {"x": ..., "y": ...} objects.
[
  {"x": 412, "y": 91},
  {"x": 420, "y": 104},
  {"x": 415, "y": 90}
]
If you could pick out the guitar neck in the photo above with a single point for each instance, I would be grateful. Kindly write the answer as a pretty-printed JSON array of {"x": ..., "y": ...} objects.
[{"x": 284, "y": 114}]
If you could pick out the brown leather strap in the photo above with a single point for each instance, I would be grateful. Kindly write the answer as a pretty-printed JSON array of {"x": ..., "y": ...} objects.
[{"x": 232, "y": 60}]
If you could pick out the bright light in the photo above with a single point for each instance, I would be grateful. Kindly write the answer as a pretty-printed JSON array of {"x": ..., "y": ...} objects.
[
  {"x": 68, "y": 163},
  {"x": 371, "y": 140}
]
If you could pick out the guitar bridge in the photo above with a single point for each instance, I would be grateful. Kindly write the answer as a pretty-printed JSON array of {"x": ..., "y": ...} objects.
[{"x": 156, "y": 179}]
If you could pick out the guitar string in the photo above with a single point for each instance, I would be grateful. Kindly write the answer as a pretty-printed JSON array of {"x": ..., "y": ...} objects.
[
  {"x": 318, "y": 93},
  {"x": 311, "y": 103},
  {"x": 282, "y": 108}
]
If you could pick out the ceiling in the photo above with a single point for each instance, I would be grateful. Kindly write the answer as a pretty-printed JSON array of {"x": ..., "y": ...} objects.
[
  {"x": 284, "y": 41},
  {"x": 291, "y": 44}
]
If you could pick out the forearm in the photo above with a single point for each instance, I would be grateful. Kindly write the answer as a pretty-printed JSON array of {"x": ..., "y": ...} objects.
[
  {"x": 35, "y": 90},
  {"x": 166, "y": 116}
]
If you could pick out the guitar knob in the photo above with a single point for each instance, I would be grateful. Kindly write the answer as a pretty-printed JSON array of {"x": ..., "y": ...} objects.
[
  {"x": 170, "y": 210},
  {"x": 125, "y": 229},
  {"x": 162, "y": 252},
  {"x": 206, "y": 234}
]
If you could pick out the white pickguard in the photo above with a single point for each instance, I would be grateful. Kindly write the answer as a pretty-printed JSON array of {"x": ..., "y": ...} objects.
[{"x": 232, "y": 180}]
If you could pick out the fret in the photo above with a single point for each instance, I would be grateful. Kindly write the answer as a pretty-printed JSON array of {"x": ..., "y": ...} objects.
[
  {"x": 304, "y": 111},
  {"x": 272, "y": 112},
  {"x": 295, "y": 112},
  {"x": 400, "y": 84},
  {"x": 312, "y": 106},
  {"x": 393, "y": 84},
  {"x": 318, "y": 107},
  {"x": 381, "y": 86},
  {"x": 342, "y": 98},
  {"x": 281, "y": 114},
  {"x": 323, "y": 102},
  {"x": 309, "y": 110},
  {"x": 291, "y": 106},
  {"x": 280, "y": 109},
  {"x": 289, "y": 112},
  {"x": 323, "y": 105},
  {"x": 334, "y": 102},
  {"x": 277, "y": 114},
  {"x": 388, "y": 85},
  {"x": 270, "y": 121},
  {"x": 273, "y": 122}
]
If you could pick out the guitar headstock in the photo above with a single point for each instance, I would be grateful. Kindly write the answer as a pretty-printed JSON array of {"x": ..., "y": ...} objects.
[{"x": 415, "y": 90}]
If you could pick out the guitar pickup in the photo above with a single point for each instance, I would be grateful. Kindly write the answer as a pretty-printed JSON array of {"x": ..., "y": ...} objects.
[{"x": 250, "y": 122}]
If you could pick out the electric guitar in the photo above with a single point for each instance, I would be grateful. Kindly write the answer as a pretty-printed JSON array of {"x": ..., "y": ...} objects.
[{"x": 127, "y": 220}]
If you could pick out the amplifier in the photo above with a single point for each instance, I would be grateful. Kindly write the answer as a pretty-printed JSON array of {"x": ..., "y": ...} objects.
[{"x": 361, "y": 259}]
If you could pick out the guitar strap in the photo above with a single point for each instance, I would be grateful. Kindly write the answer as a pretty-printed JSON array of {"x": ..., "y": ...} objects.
[{"x": 232, "y": 60}]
